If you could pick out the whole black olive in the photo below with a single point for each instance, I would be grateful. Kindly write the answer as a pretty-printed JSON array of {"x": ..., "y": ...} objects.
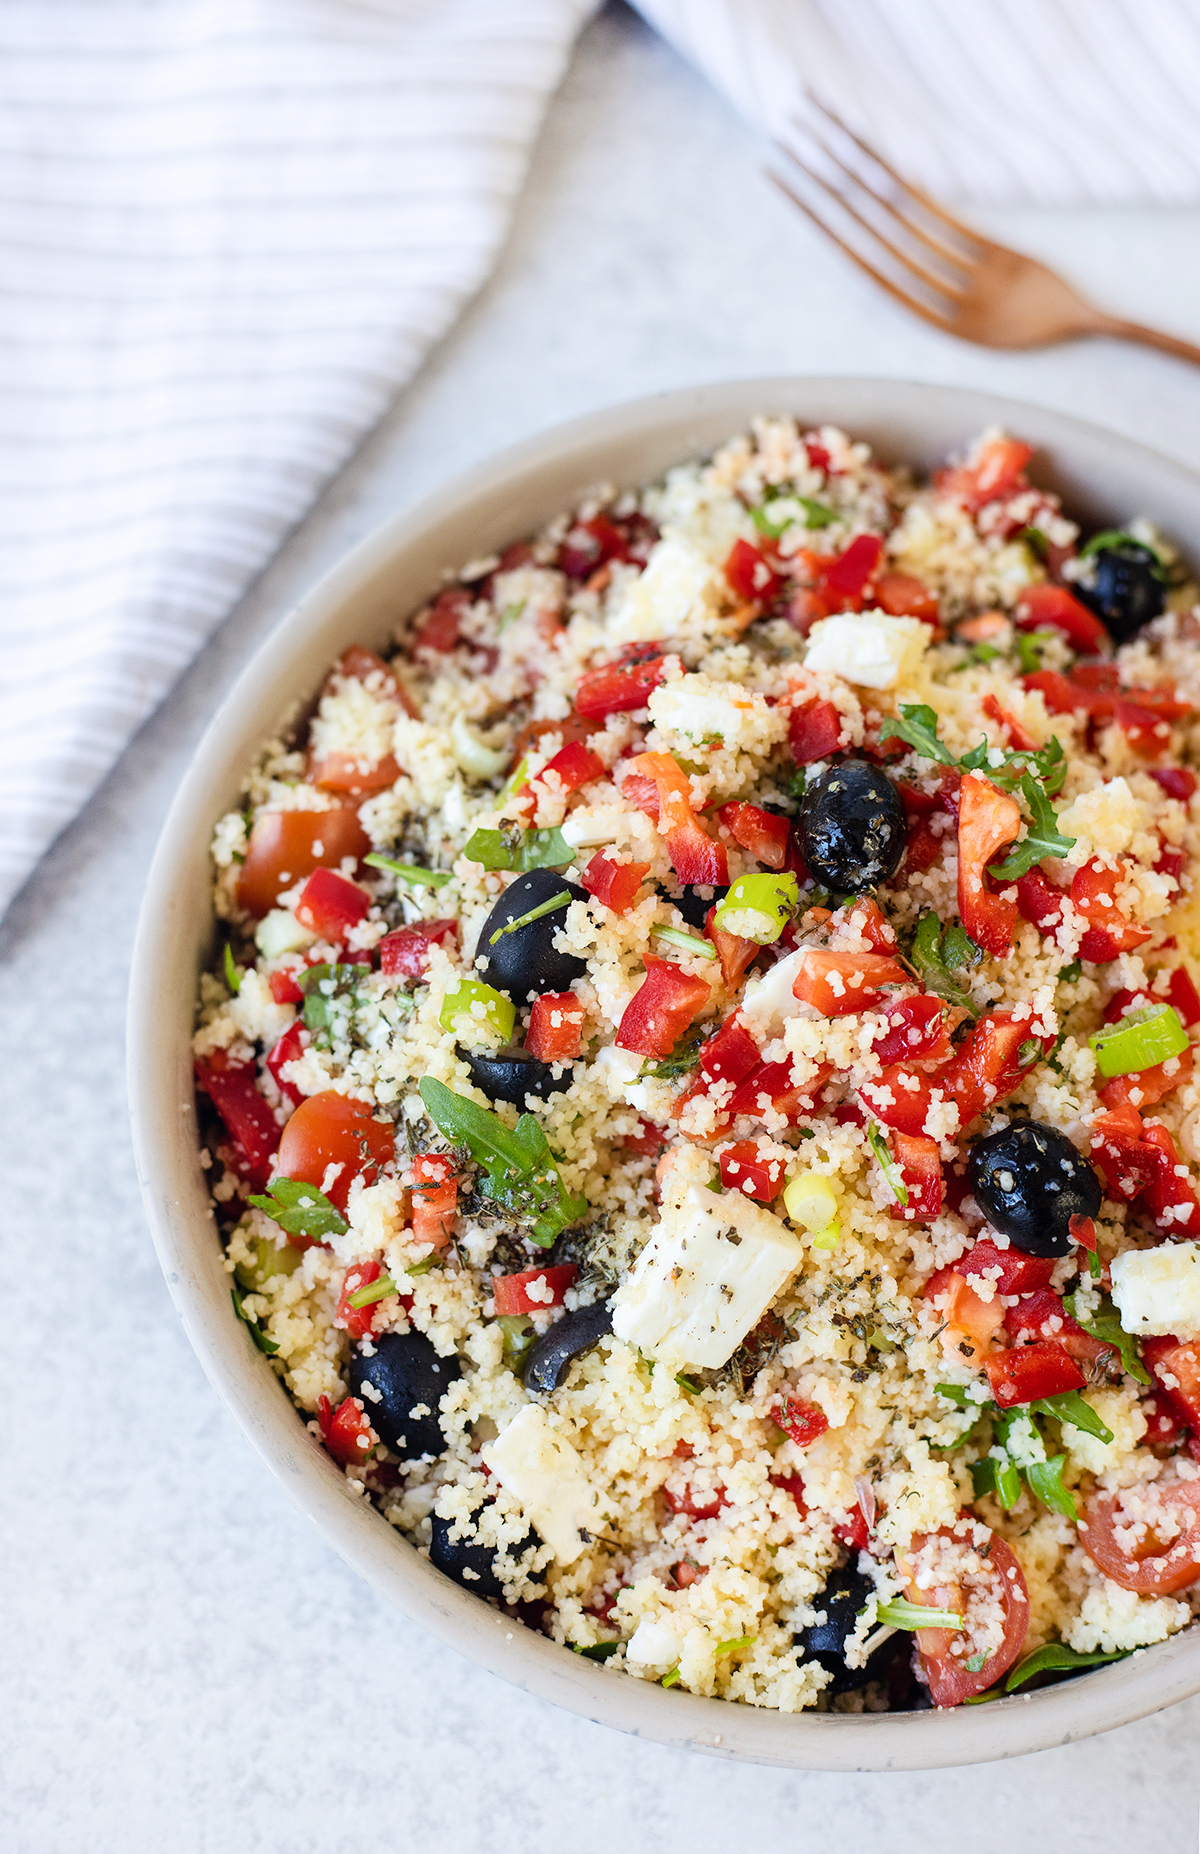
[
  {"x": 1029, "y": 1181},
  {"x": 401, "y": 1385},
  {"x": 467, "y": 1561},
  {"x": 1127, "y": 590},
  {"x": 527, "y": 962},
  {"x": 567, "y": 1338},
  {"x": 511, "y": 1078},
  {"x": 843, "y": 1600},
  {"x": 694, "y": 901},
  {"x": 852, "y": 828}
]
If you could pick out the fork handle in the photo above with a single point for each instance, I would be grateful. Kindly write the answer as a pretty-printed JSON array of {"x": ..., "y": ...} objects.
[{"x": 1147, "y": 337}]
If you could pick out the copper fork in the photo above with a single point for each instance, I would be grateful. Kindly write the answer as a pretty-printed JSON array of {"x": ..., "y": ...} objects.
[{"x": 931, "y": 262}]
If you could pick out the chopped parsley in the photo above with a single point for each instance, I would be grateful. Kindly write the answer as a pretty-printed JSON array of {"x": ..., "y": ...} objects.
[
  {"x": 901, "y": 1614},
  {"x": 1043, "y": 839}
]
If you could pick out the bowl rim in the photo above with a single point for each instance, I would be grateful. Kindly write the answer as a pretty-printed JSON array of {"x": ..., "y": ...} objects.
[{"x": 168, "y": 943}]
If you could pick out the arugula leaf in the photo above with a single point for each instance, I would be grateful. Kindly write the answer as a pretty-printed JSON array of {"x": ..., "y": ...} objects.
[
  {"x": 596, "y": 1651},
  {"x": 1044, "y": 838},
  {"x": 256, "y": 1332},
  {"x": 887, "y": 1165},
  {"x": 1044, "y": 1478},
  {"x": 1106, "y": 1325},
  {"x": 928, "y": 954},
  {"x": 918, "y": 728},
  {"x": 409, "y": 872},
  {"x": 953, "y": 1393},
  {"x": 521, "y": 850},
  {"x": 1057, "y": 1658},
  {"x": 682, "y": 1058},
  {"x": 520, "y": 1169},
  {"x": 330, "y": 992},
  {"x": 233, "y": 974},
  {"x": 301, "y": 1210},
  {"x": 999, "y": 1476},
  {"x": 1070, "y": 1407}
]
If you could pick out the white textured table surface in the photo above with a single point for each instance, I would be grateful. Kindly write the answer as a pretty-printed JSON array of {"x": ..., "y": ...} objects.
[{"x": 186, "y": 1666}]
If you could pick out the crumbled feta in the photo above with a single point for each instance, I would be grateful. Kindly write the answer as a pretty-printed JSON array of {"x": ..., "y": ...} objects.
[
  {"x": 654, "y": 1643},
  {"x": 1158, "y": 1290},
  {"x": 547, "y": 1479},
  {"x": 680, "y": 592},
  {"x": 768, "y": 1002},
  {"x": 280, "y": 932},
  {"x": 868, "y": 648}
]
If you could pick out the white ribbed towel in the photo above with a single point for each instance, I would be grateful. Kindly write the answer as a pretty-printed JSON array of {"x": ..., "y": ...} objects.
[{"x": 230, "y": 231}]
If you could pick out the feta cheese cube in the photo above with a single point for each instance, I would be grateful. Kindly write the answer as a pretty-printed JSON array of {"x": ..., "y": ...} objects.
[
  {"x": 679, "y": 593},
  {"x": 769, "y": 1001},
  {"x": 708, "y": 1274},
  {"x": 868, "y": 648},
  {"x": 1158, "y": 1290},
  {"x": 654, "y": 1643},
  {"x": 547, "y": 1478}
]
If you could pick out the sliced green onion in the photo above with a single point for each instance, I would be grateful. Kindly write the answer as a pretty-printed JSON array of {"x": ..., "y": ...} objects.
[
  {"x": 1141, "y": 1040},
  {"x": 887, "y": 1165},
  {"x": 736, "y": 1641},
  {"x": 900, "y": 1614},
  {"x": 758, "y": 907},
  {"x": 423, "y": 1266},
  {"x": 478, "y": 1007},
  {"x": 409, "y": 872},
  {"x": 374, "y": 1290},
  {"x": 690, "y": 1385},
  {"x": 233, "y": 974},
  {"x": 827, "y": 1239},
  {"x": 555, "y": 902},
  {"x": 514, "y": 782},
  {"x": 690, "y": 942},
  {"x": 671, "y": 1679}
]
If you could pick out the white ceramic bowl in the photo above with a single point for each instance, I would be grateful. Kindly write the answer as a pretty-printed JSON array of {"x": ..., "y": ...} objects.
[{"x": 1105, "y": 478}]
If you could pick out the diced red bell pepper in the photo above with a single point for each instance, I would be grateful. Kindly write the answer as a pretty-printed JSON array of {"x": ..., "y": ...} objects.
[
  {"x": 1146, "y": 1087},
  {"x": 845, "y": 579},
  {"x": 986, "y": 1066},
  {"x": 1039, "y": 901},
  {"x": 1011, "y": 1271},
  {"x": 996, "y": 472},
  {"x": 750, "y": 575},
  {"x": 900, "y": 1097},
  {"x": 916, "y": 1028},
  {"x": 743, "y": 1170},
  {"x": 1168, "y": 1198},
  {"x": 695, "y": 857},
  {"x": 772, "y": 1083},
  {"x": 1096, "y": 678},
  {"x": 760, "y": 832},
  {"x": 572, "y": 766},
  {"x": 589, "y": 545},
  {"x": 921, "y": 1170},
  {"x": 1018, "y": 739},
  {"x": 1176, "y": 781},
  {"x": 358, "y": 1321},
  {"x": 988, "y": 820},
  {"x": 330, "y": 905},
  {"x": 868, "y": 918},
  {"x": 252, "y": 1127},
  {"x": 1054, "y": 608},
  {"x": 902, "y": 596},
  {"x": 1109, "y": 931},
  {"x": 284, "y": 989},
  {"x": 696, "y": 1502},
  {"x": 1174, "y": 1364},
  {"x": 1121, "y": 1154},
  {"x": 814, "y": 732},
  {"x": 793, "y": 1486},
  {"x": 289, "y": 1048},
  {"x": 1182, "y": 993},
  {"x": 666, "y": 1003},
  {"x": 1057, "y": 693},
  {"x": 614, "y": 885},
  {"x": 405, "y": 953},
  {"x": 1124, "y": 1001},
  {"x": 1170, "y": 862},
  {"x": 1148, "y": 734},
  {"x": 923, "y": 848},
  {"x": 735, "y": 954},
  {"x": 853, "y": 1533},
  {"x": 534, "y": 1289},
  {"x": 839, "y": 984},
  {"x": 434, "y": 1198},
  {"x": 647, "y": 1142},
  {"x": 346, "y": 1431},
  {"x": 439, "y": 628},
  {"x": 727, "y": 1058},
  {"x": 801, "y": 1422},
  {"x": 555, "y": 1031},
  {"x": 618, "y": 688},
  {"x": 1025, "y": 1373}
]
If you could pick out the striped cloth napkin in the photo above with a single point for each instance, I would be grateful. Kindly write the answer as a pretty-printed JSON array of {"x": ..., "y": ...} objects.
[{"x": 231, "y": 230}]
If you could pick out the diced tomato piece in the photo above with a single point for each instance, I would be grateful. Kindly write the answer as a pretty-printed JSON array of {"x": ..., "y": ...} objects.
[
  {"x": 1148, "y": 734},
  {"x": 696, "y": 1502},
  {"x": 1011, "y": 1271},
  {"x": 921, "y": 1170},
  {"x": 695, "y": 857},
  {"x": 801, "y": 1422},
  {"x": 434, "y": 1197},
  {"x": 772, "y": 1083},
  {"x": 743, "y": 1170},
  {"x": 1057, "y": 609},
  {"x": 336, "y": 771},
  {"x": 286, "y": 846},
  {"x": 735, "y": 955},
  {"x": 534, "y": 1289},
  {"x": 1039, "y": 901},
  {"x": 1109, "y": 932},
  {"x": 923, "y": 848},
  {"x": 405, "y": 953},
  {"x": 572, "y": 766},
  {"x": 615, "y": 885},
  {"x": 252, "y": 1127},
  {"x": 1152, "y": 1566},
  {"x": 438, "y": 628},
  {"x": 663, "y": 1007},
  {"x": 555, "y": 1031},
  {"x": 969, "y": 1323},
  {"x": 996, "y": 472},
  {"x": 330, "y": 1141},
  {"x": 1146, "y": 1087},
  {"x": 289, "y": 1048},
  {"x": 988, "y": 820},
  {"x": 1057, "y": 693},
  {"x": 1163, "y": 1427},
  {"x": 618, "y": 689},
  {"x": 845, "y": 579},
  {"x": 648, "y": 1141},
  {"x": 902, "y": 596},
  {"x": 814, "y": 732},
  {"x": 1176, "y": 781},
  {"x": 1022, "y": 1374},
  {"x": 838, "y": 984},
  {"x": 853, "y": 1533},
  {"x": 727, "y": 1058},
  {"x": 986, "y": 1066},
  {"x": 1096, "y": 678},
  {"x": 1182, "y": 993},
  {"x": 793, "y": 1486},
  {"x": 760, "y": 832},
  {"x": 1170, "y": 862},
  {"x": 358, "y": 1321},
  {"x": 284, "y": 989},
  {"x": 900, "y": 1097},
  {"x": 818, "y": 456},
  {"x": 916, "y": 1028},
  {"x": 346, "y": 1431},
  {"x": 330, "y": 905},
  {"x": 1018, "y": 739},
  {"x": 750, "y": 575},
  {"x": 589, "y": 545},
  {"x": 1174, "y": 1364}
]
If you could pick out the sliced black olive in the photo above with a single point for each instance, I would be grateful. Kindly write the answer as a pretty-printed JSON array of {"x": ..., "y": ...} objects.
[
  {"x": 694, "y": 901},
  {"x": 843, "y": 1600},
  {"x": 511, "y": 1078},
  {"x": 567, "y": 1338},
  {"x": 1127, "y": 588},
  {"x": 401, "y": 1385},
  {"x": 852, "y": 828},
  {"x": 1029, "y": 1181},
  {"x": 527, "y": 961},
  {"x": 467, "y": 1561}
]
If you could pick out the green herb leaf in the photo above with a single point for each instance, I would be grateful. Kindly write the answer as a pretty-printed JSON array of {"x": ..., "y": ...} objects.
[
  {"x": 901, "y": 1614},
  {"x": 596, "y": 1651},
  {"x": 953, "y": 1393},
  {"x": 1044, "y": 1478},
  {"x": 520, "y": 1168},
  {"x": 301, "y": 1210},
  {"x": 330, "y": 994},
  {"x": 521, "y": 850},
  {"x": 682, "y": 1059},
  {"x": 997, "y": 1476},
  {"x": 1068, "y": 975},
  {"x": 918, "y": 728},
  {"x": 409, "y": 872},
  {"x": 373, "y": 1291},
  {"x": 975, "y": 1663},
  {"x": 1044, "y": 838},
  {"x": 535, "y": 914},
  {"x": 1070, "y": 1407},
  {"x": 690, "y": 942},
  {"x": 985, "y": 653},
  {"x": 958, "y": 949},
  {"x": 256, "y": 1332},
  {"x": 1028, "y": 655},
  {"x": 510, "y": 614},
  {"x": 691, "y": 1385},
  {"x": 1106, "y": 1324},
  {"x": 1034, "y": 540},
  {"x": 233, "y": 974},
  {"x": 1056, "y": 1658},
  {"x": 817, "y": 514},
  {"x": 928, "y": 954},
  {"x": 887, "y": 1165}
]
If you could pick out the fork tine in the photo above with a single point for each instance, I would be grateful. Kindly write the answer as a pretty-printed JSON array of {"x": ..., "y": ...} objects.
[
  {"x": 918, "y": 193},
  {"x": 957, "y": 260},
  {"x": 885, "y": 283},
  {"x": 939, "y": 285}
]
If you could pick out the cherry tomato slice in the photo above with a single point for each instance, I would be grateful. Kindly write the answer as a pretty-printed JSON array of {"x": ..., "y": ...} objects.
[
  {"x": 945, "y": 1652},
  {"x": 286, "y": 846},
  {"x": 331, "y": 1130},
  {"x": 1162, "y": 1559}
]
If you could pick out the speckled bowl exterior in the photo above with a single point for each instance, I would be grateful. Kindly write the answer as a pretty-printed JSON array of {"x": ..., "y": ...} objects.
[{"x": 1102, "y": 477}]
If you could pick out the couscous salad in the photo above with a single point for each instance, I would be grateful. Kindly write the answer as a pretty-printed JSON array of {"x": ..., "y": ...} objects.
[{"x": 698, "y": 1089}]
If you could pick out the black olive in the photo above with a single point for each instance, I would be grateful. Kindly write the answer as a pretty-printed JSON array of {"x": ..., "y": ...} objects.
[
  {"x": 511, "y": 1078},
  {"x": 852, "y": 828},
  {"x": 467, "y": 1561},
  {"x": 694, "y": 901},
  {"x": 404, "y": 1375},
  {"x": 843, "y": 1600},
  {"x": 1029, "y": 1181},
  {"x": 527, "y": 961},
  {"x": 1127, "y": 589},
  {"x": 567, "y": 1338}
]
